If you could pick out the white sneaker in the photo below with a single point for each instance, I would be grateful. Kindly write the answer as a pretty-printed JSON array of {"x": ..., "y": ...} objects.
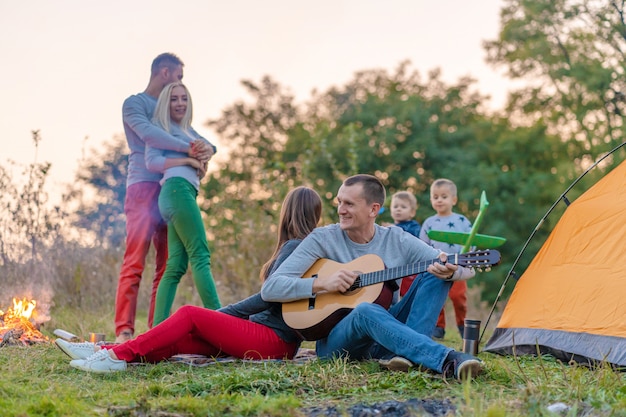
[
  {"x": 397, "y": 363},
  {"x": 99, "y": 362},
  {"x": 76, "y": 350}
]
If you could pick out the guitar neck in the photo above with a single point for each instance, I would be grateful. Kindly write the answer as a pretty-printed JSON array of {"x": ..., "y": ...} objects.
[{"x": 376, "y": 277}]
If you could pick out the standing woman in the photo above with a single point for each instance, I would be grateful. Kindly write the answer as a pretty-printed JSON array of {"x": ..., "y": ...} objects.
[
  {"x": 186, "y": 237},
  {"x": 250, "y": 329}
]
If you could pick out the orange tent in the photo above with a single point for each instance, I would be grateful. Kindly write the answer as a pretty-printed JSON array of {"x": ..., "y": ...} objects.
[{"x": 570, "y": 301}]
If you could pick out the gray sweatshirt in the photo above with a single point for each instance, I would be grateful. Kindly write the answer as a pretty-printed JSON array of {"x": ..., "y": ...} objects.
[
  {"x": 137, "y": 114},
  {"x": 394, "y": 246},
  {"x": 156, "y": 157}
]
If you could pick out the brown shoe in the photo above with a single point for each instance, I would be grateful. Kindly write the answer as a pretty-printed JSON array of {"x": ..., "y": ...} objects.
[{"x": 124, "y": 336}]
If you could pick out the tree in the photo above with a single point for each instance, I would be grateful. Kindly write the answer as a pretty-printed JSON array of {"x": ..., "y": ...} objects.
[
  {"x": 573, "y": 51},
  {"x": 242, "y": 197},
  {"x": 570, "y": 55},
  {"x": 410, "y": 131},
  {"x": 397, "y": 126},
  {"x": 28, "y": 223},
  {"x": 99, "y": 193}
]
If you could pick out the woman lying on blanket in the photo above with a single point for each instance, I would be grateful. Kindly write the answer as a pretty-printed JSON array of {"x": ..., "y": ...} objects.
[{"x": 249, "y": 329}]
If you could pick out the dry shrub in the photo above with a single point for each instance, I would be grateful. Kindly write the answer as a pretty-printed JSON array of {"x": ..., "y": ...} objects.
[
  {"x": 70, "y": 275},
  {"x": 241, "y": 242},
  {"x": 85, "y": 278}
]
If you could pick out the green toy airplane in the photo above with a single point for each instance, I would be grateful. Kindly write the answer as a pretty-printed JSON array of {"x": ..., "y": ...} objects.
[{"x": 472, "y": 238}]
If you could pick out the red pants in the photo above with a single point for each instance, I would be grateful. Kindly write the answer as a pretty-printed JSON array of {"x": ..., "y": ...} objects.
[
  {"x": 143, "y": 225},
  {"x": 197, "y": 330},
  {"x": 458, "y": 295}
]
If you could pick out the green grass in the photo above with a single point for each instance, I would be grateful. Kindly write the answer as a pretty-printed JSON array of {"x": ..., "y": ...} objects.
[{"x": 38, "y": 381}]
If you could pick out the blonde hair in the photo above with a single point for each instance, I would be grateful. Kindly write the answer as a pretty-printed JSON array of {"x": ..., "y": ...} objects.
[
  {"x": 406, "y": 196},
  {"x": 162, "y": 115},
  {"x": 299, "y": 215},
  {"x": 444, "y": 182}
]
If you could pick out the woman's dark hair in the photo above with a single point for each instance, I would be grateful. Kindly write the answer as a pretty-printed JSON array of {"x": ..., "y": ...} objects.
[{"x": 299, "y": 215}]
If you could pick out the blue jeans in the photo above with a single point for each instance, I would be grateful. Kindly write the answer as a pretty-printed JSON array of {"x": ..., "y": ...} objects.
[{"x": 371, "y": 332}]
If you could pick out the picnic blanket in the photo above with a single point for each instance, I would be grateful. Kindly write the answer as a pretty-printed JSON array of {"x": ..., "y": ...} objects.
[{"x": 302, "y": 356}]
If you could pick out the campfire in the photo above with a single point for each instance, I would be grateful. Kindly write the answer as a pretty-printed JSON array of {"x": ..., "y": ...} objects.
[{"x": 17, "y": 326}]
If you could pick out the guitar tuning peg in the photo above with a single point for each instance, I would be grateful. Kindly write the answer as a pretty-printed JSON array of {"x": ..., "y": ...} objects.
[
  {"x": 479, "y": 269},
  {"x": 488, "y": 269}
]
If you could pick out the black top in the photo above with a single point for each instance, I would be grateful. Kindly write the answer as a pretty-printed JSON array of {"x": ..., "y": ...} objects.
[{"x": 255, "y": 309}]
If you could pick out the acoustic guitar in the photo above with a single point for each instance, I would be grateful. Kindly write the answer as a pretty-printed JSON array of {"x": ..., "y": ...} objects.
[{"x": 313, "y": 318}]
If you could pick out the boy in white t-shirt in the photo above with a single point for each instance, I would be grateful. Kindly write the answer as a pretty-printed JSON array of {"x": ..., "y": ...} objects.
[{"x": 443, "y": 197}]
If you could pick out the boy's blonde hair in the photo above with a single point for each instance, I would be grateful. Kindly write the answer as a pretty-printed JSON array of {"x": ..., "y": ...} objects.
[
  {"x": 444, "y": 182},
  {"x": 406, "y": 196}
]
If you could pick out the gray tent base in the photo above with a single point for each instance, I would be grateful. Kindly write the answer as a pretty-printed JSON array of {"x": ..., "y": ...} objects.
[{"x": 583, "y": 348}]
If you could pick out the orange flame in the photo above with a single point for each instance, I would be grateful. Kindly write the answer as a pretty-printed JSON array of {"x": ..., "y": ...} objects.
[
  {"x": 18, "y": 319},
  {"x": 23, "y": 308}
]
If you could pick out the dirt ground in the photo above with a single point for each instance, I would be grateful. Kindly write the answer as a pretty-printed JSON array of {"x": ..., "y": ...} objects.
[{"x": 410, "y": 408}]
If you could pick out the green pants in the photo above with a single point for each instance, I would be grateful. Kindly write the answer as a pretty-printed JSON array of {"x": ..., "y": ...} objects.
[{"x": 186, "y": 244}]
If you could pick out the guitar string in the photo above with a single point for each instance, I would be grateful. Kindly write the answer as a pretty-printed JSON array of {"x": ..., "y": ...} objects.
[
  {"x": 406, "y": 270},
  {"x": 380, "y": 276}
]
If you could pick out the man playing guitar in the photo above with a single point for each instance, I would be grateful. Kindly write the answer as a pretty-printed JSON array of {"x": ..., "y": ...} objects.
[{"x": 398, "y": 337}]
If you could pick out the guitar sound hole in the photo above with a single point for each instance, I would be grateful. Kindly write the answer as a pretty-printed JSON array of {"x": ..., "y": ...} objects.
[
  {"x": 355, "y": 285},
  {"x": 352, "y": 290}
]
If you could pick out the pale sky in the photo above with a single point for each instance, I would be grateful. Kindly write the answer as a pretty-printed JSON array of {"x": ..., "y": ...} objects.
[{"x": 68, "y": 65}]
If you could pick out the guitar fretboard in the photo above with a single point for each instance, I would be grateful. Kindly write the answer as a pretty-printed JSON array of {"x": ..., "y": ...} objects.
[{"x": 376, "y": 277}]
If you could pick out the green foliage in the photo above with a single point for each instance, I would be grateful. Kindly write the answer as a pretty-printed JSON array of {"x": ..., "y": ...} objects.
[
  {"x": 405, "y": 130},
  {"x": 570, "y": 53}
]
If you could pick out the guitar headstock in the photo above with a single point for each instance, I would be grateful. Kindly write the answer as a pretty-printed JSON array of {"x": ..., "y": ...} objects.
[{"x": 480, "y": 259}]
